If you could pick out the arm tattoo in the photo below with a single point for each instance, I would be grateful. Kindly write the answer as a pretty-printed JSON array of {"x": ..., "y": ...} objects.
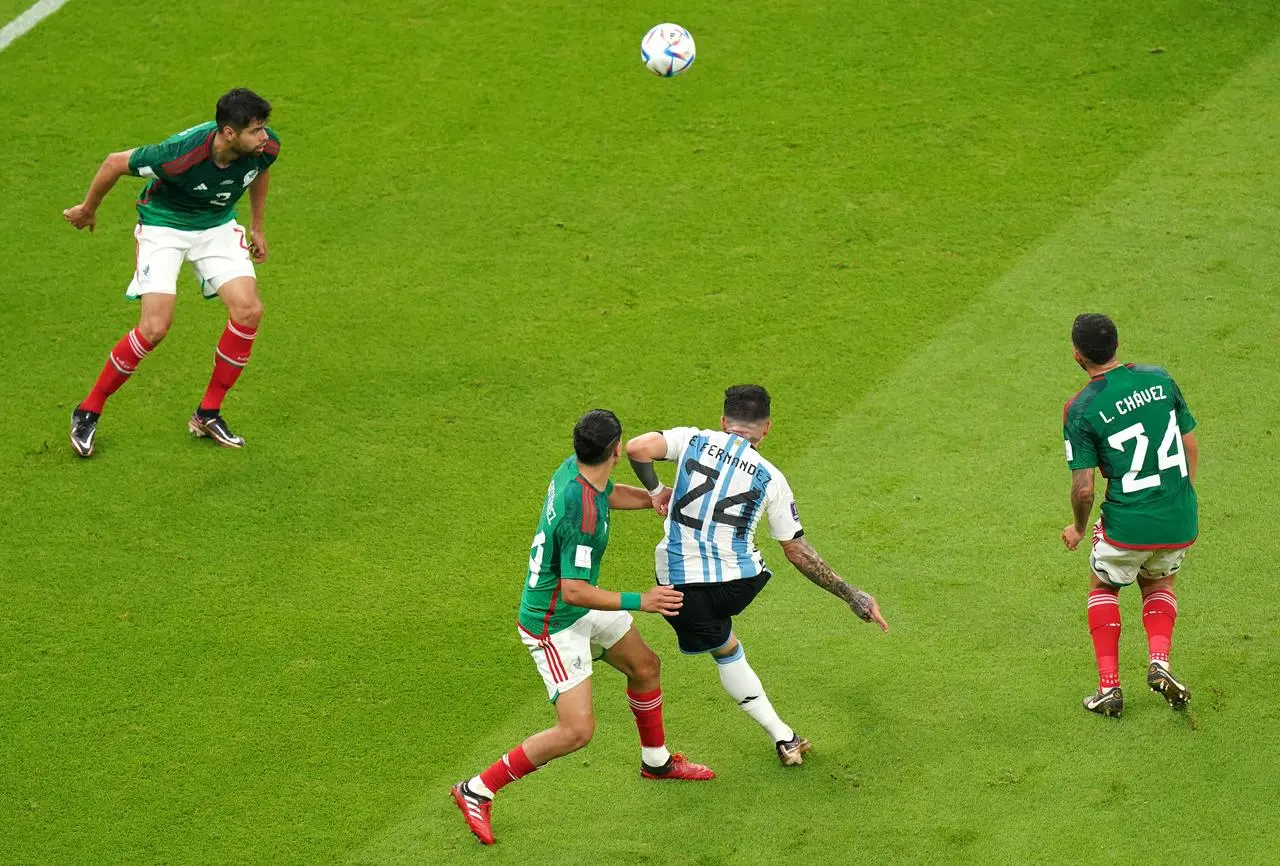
[
  {"x": 646, "y": 473},
  {"x": 811, "y": 564}
]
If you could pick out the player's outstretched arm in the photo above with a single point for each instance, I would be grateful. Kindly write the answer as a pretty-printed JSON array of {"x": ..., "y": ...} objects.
[
  {"x": 1081, "y": 507},
  {"x": 641, "y": 452},
  {"x": 85, "y": 214},
  {"x": 810, "y": 563},
  {"x": 625, "y": 497},
  {"x": 658, "y": 599}
]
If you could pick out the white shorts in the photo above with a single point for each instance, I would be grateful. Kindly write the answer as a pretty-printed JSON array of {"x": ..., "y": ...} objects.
[
  {"x": 1119, "y": 566},
  {"x": 564, "y": 657},
  {"x": 218, "y": 254}
]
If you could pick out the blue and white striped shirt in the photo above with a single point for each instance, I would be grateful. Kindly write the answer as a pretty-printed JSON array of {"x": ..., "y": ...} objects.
[{"x": 722, "y": 488}]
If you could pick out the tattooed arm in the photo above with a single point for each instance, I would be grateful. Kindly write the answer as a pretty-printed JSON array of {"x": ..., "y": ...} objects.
[
  {"x": 811, "y": 564},
  {"x": 1081, "y": 507}
]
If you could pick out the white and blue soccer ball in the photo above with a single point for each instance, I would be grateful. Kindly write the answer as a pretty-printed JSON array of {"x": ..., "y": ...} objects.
[{"x": 667, "y": 50}]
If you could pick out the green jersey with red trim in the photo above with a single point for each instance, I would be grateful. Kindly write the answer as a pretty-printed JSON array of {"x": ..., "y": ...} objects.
[
  {"x": 573, "y": 532},
  {"x": 188, "y": 190},
  {"x": 1129, "y": 422}
]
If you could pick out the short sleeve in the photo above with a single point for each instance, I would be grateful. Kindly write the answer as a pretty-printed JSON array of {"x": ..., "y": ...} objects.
[
  {"x": 677, "y": 438},
  {"x": 781, "y": 511},
  {"x": 1077, "y": 437},
  {"x": 575, "y": 550},
  {"x": 1186, "y": 421},
  {"x": 149, "y": 160}
]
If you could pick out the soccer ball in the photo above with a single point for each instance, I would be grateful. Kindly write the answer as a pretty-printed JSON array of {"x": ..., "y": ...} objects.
[{"x": 667, "y": 50}]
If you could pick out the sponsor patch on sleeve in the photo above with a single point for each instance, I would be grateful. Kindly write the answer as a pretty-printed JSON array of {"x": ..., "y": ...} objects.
[
  {"x": 795, "y": 512},
  {"x": 1067, "y": 442},
  {"x": 582, "y": 556}
]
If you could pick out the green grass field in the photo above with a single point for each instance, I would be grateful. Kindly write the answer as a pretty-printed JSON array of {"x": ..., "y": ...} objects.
[{"x": 487, "y": 218}]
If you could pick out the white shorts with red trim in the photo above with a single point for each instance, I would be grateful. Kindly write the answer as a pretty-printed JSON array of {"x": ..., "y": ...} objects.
[
  {"x": 218, "y": 255},
  {"x": 564, "y": 657},
  {"x": 1121, "y": 566}
]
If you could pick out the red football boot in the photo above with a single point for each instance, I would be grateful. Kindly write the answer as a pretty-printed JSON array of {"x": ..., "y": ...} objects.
[
  {"x": 678, "y": 768},
  {"x": 476, "y": 811}
]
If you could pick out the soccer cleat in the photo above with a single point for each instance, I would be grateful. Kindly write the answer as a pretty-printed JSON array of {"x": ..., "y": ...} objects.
[
  {"x": 215, "y": 428},
  {"x": 475, "y": 811},
  {"x": 677, "y": 768},
  {"x": 84, "y": 426},
  {"x": 1105, "y": 702},
  {"x": 791, "y": 753},
  {"x": 1163, "y": 681}
]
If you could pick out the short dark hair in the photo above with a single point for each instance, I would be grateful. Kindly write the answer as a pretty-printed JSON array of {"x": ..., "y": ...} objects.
[
  {"x": 595, "y": 435},
  {"x": 1094, "y": 335},
  {"x": 748, "y": 403},
  {"x": 239, "y": 108}
]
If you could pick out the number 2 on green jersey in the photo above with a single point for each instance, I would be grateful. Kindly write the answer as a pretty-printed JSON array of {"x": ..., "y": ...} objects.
[{"x": 1169, "y": 456}]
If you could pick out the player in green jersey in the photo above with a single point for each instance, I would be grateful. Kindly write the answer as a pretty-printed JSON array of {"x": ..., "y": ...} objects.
[
  {"x": 1132, "y": 424},
  {"x": 187, "y": 211},
  {"x": 566, "y": 620}
]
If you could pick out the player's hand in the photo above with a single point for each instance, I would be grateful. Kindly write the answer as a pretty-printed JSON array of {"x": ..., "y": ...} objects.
[
  {"x": 865, "y": 608},
  {"x": 81, "y": 216},
  {"x": 665, "y": 600},
  {"x": 662, "y": 502},
  {"x": 1071, "y": 537},
  {"x": 258, "y": 245}
]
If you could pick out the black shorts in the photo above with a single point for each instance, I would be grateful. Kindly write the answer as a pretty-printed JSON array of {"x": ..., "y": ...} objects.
[{"x": 706, "y": 619}]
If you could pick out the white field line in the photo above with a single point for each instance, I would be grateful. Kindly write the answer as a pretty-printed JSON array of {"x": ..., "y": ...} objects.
[{"x": 23, "y": 24}]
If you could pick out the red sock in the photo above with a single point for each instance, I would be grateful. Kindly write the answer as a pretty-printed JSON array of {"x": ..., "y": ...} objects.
[
  {"x": 228, "y": 362},
  {"x": 121, "y": 363},
  {"x": 647, "y": 708},
  {"x": 1159, "y": 613},
  {"x": 511, "y": 766},
  {"x": 1104, "y": 627}
]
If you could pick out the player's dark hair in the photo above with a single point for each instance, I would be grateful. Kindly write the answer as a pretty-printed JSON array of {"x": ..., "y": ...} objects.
[
  {"x": 746, "y": 403},
  {"x": 239, "y": 108},
  {"x": 1094, "y": 335},
  {"x": 595, "y": 435}
]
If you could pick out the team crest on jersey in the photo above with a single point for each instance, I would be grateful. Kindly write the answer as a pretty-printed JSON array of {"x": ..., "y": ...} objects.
[{"x": 248, "y": 178}]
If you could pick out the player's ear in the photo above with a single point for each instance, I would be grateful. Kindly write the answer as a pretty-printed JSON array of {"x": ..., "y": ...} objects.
[{"x": 724, "y": 424}]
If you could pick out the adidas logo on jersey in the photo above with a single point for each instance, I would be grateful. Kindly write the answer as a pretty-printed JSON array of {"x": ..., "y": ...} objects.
[{"x": 200, "y": 188}]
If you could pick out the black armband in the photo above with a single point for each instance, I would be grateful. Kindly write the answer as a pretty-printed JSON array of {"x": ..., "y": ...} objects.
[{"x": 647, "y": 474}]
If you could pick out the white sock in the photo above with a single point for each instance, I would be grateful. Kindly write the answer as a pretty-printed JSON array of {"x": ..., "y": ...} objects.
[
  {"x": 654, "y": 756},
  {"x": 479, "y": 787},
  {"x": 742, "y": 684}
]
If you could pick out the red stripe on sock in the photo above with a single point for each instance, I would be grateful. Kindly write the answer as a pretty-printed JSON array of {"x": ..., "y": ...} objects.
[
  {"x": 1104, "y": 628},
  {"x": 647, "y": 708},
  {"x": 121, "y": 363},
  {"x": 514, "y": 765},
  {"x": 234, "y": 348},
  {"x": 1159, "y": 615}
]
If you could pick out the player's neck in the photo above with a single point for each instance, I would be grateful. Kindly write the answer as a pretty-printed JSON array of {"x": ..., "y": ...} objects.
[
  {"x": 749, "y": 435},
  {"x": 1101, "y": 369},
  {"x": 597, "y": 476},
  {"x": 223, "y": 153}
]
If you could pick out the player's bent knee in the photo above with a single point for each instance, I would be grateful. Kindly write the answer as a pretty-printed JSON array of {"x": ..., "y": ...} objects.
[
  {"x": 153, "y": 329},
  {"x": 578, "y": 733},
  {"x": 648, "y": 666}
]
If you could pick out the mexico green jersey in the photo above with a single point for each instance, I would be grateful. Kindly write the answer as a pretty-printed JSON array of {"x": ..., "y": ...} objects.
[
  {"x": 188, "y": 190},
  {"x": 572, "y": 535},
  {"x": 1129, "y": 423}
]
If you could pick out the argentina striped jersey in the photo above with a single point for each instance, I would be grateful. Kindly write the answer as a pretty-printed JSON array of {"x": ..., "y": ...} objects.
[{"x": 722, "y": 488}]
